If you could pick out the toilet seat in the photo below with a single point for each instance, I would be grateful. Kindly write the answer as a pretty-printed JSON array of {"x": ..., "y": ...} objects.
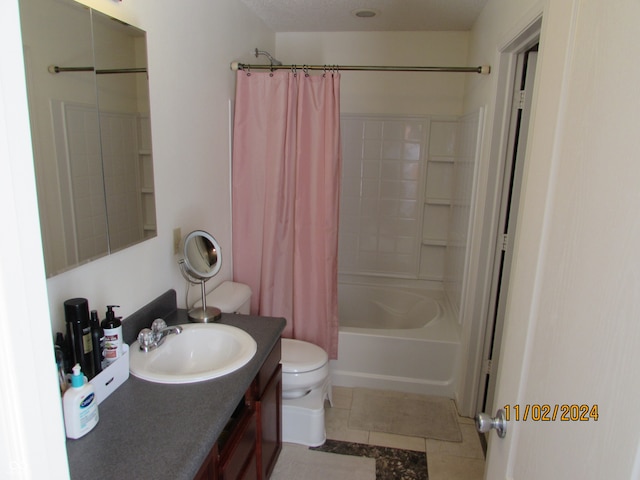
[{"x": 301, "y": 357}]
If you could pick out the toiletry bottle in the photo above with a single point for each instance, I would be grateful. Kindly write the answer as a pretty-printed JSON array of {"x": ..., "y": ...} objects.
[
  {"x": 79, "y": 405},
  {"x": 97, "y": 342},
  {"x": 112, "y": 327},
  {"x": 76, "y": 312},
  {"x": 63, "y": 345},
  {"x": 62, "y": 377}
]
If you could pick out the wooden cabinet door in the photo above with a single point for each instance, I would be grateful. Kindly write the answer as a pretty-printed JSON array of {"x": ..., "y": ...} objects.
[
  {"x": 238, "y": 459},
  {"x": 209, "y": 468},
  {"x": 254, "y": 440},
  {"x": 269, "y": 409}
]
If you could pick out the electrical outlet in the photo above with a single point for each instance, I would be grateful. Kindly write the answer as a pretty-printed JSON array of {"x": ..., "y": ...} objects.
[{"x": 177, "y": 238}]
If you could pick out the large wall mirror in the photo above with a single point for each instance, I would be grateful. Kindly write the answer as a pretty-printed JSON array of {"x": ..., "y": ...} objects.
[{"x": 88, "y": 95}]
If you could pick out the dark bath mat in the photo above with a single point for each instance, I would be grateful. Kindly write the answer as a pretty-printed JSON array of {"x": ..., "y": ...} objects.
[{"x": 391, "y": 463}]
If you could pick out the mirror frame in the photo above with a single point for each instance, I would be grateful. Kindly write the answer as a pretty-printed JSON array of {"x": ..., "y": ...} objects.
[
  {"x": 186, "y": 262},
  {"x": 191, "y": 246}
]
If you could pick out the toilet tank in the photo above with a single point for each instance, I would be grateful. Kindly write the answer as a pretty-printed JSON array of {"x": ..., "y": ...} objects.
[{"x": 231, "y": 297}]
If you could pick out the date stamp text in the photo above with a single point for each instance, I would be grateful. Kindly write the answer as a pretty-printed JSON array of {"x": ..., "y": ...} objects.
[{"x": 550, "y": 413}]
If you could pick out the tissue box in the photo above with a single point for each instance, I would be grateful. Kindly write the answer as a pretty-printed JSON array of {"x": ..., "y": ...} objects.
[{"x": 108, "y": 380}]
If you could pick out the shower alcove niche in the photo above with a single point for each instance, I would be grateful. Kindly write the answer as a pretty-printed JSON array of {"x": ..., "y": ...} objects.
[{"x": 405, "y": 205}]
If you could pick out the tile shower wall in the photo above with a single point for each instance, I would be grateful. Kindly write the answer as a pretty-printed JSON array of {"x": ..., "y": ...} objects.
[
  {"x": 382, "y": 194},
  {"x": 396, "y": 195},
  {"x": 407, "y": 189}
]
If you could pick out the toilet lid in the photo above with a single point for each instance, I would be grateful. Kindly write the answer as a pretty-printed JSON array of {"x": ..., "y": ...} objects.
[{"x": 299, "y": 356}]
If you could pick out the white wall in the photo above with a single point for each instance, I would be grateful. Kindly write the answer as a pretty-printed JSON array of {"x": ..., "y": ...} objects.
[
  {"x": 190, "y": 82},
  {"x": 386, "y": 92}
]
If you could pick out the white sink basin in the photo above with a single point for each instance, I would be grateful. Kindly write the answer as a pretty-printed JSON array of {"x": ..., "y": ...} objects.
[{"x": 201, "y": 352}]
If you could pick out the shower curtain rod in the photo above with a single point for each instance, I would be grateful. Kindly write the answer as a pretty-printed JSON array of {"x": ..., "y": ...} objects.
[
  {"x": 101, "y": 71},
  {"x": 484, "y": 69}
]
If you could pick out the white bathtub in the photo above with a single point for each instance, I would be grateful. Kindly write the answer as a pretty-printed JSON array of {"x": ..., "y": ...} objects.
[{"x": 396, "y": 338}]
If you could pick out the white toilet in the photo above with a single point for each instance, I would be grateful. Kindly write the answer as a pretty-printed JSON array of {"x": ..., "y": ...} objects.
[{"x": 305, "y": 374}]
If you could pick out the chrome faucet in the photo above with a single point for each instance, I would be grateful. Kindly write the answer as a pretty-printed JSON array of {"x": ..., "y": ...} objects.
[{"x": 150, "y": 339}]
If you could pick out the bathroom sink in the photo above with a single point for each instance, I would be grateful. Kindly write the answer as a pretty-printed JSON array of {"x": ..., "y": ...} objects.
[{"x": 202, "y": 351}]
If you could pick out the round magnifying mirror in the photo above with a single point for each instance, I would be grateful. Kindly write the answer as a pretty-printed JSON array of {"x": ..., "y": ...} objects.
[
  {"x": 201, "y": 260},
  {"x": 201, "y": 255}
]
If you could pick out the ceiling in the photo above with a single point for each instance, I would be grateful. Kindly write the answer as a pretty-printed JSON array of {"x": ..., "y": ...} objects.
[{"x": 392, "y": 15}]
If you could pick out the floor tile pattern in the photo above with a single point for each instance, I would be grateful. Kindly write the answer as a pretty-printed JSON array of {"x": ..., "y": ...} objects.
[
  {"x": 446, "y": 460},
  {"x": 391, "y": 463}
]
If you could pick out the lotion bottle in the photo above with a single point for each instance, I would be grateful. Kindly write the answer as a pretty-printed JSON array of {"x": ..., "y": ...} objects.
[
  {"x": 112, "y": 327},
  {"x": 79, "y": 405}
]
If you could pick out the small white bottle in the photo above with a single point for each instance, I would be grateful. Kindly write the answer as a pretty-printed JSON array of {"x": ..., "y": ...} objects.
[{"x": 79, "y": 405}]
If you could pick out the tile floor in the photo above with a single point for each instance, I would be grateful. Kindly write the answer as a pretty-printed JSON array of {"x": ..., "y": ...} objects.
[{"x": 445, "y": 460}]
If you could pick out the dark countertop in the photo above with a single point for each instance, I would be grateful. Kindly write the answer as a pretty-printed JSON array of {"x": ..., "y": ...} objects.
[{"x": 153, "y": 431}]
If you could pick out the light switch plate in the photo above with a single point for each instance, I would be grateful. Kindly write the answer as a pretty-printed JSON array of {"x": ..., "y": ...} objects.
[{"x": 177, "y": 238}]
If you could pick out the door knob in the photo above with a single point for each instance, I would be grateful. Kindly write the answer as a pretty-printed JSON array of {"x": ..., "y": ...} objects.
[{"x": 484, "y": 423}]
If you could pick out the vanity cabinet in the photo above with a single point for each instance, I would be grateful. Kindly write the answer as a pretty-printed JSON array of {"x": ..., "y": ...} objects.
[
  {"x": 268, "y": 388},
  {"x": 249, "y": 446}
]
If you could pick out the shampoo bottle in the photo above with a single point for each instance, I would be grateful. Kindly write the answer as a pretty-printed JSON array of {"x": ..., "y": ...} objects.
[
  {"x": 112, "y": 336},
  {"x": 79, "y": 405}
]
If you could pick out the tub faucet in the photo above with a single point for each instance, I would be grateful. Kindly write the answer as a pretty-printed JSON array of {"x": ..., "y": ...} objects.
[{"x": 150, "y": 339}]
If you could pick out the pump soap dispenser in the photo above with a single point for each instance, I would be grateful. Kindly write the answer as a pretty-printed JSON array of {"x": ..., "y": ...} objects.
[
  {"x": 112, "y": 327},
  {"x": 79, "y": 405}
]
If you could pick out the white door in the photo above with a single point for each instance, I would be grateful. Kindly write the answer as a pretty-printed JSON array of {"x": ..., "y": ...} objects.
[{"x": 572, "y": 321}]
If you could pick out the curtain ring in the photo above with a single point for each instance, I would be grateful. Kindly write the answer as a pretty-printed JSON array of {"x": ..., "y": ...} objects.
[
  {"x": 271, "y": 70},
  {"x": 324, "y": 71},
  {"x": 305, "y": 69},
  {"x": 248, "y": 71},
  {"x": 294, "y": 70}
]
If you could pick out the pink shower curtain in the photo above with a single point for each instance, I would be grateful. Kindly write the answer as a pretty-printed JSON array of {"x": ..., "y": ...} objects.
[{"x": 286, "y": 185}]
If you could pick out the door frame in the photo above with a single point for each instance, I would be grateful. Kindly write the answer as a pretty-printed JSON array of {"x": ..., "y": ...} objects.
[
  {"x": 475, "y": 305},
  {"x": 516, "y": 137},
  {"x": 552, "y": 84}
]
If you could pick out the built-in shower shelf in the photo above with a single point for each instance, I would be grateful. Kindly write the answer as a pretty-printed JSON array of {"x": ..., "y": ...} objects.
[
  {"x": 146, "y": 184},
  {"x": 432, "y": 242},
  {"x": 437, "y": 201},
  {"x": 442, "y": 159}
]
